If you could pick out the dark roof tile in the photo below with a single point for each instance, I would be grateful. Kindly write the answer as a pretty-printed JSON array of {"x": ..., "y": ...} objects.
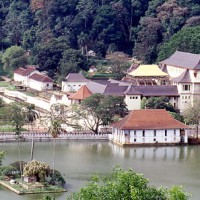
[{"x": 183, "y": 60}]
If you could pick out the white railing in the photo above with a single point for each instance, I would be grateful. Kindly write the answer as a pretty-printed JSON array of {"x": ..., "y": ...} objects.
[{"x": 25, "y": 136}]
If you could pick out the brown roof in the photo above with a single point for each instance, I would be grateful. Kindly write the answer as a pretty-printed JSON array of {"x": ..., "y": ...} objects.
[
  {"x": 149, "y": 119},
  {"x": 183, "y": 60},
  {"x": 41, "y": 78},
  {"x": 25, "y": 71},
  {"x": 183, "y": 78},
  {"x": 81, "y": 94},
  {"x": 76, "y": 77}
]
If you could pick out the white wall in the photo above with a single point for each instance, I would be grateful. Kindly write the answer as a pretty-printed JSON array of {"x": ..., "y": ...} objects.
[
  {"x": 40, "y": 86},
  {"x": 136, "y": 136},
  {"x": 18, "y": 78},
  {"x": 72, "y": 86},
  {"x": 133, "y": 102}
]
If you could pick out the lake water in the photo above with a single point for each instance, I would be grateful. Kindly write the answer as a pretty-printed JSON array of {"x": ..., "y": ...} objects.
[{"x": 77, "y": 161}]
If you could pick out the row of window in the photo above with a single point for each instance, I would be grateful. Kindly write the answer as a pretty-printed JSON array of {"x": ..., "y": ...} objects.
[
  {"x": 185, "y": 97},
  {"x": 135, "y": 140},
  {"x": 143, "y": 133},
  {"x": 186, "y": 87},
  {"x": 73, "y": 85},
  {"x": 133, "y": 97}
]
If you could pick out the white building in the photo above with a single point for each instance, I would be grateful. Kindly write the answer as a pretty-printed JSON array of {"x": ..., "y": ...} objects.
[
  {"x": 184, "y": 71},
  {"x": 73, "y": 82},
  {"x": 40, "y": 82},
  {"x": 149, "y": 126},
  {"x": 22, "y": 74}
]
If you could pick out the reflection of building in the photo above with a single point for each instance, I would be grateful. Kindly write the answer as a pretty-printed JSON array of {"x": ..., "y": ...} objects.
[
  {"x": 149, "y": 127},
  {"x": 184, "y": 71}
]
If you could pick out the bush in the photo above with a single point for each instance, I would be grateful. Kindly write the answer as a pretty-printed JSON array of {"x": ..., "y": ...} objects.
[{"x": 56, "y": 178}]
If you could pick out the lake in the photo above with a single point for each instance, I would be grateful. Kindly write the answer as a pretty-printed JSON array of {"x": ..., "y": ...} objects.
[{"x": 78, "y": 160}]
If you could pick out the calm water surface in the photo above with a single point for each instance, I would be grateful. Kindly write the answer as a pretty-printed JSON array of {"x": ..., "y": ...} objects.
[{"x": 77, "y": 161}]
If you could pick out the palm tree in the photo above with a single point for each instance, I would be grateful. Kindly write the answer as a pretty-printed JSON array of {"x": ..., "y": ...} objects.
[
  {"x": 17, "y": 117},
  {"x": 31, "y": 116},
  {"x": 54, "y": 130}
]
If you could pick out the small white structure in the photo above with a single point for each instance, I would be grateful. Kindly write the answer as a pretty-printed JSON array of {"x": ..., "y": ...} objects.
[
  {"x": 40, "y": 82},
  {"x": 73, "y": 82},
  {"x": 149, "y": 126},
  {"x": 22, "y": 74}
]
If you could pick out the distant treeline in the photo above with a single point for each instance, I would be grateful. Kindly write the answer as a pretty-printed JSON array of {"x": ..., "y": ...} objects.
[{"x": 58, "y": 33}]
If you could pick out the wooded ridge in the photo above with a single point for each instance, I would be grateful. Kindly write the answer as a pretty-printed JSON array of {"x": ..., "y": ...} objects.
[{"x": 57, "y": 34}]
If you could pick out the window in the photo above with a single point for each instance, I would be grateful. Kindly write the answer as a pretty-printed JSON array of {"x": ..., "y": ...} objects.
[
  {"x": 154, "y": 139},
  {"x": 165, "y": 133},
  {"x": 174, "y": 132},
  {"x": 186, "y": 87},
  {"x": 143, "y": 133},
  {"x": 135, "y": 140},
  {"x": 154, "y": 133},
  {"x": 136, "y": 97},
  {"x": 47, "y": 84}
]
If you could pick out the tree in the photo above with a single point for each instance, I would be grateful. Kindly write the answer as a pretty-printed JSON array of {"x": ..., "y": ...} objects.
[
  {"x": 121, "y": 184},
  {"x": 13, "y": 58},
  {"x": 157, "y": 103},
  {"x": 192, "y": 114},
  {"x": 31, "y": 116},
  {"x": 2, "y": 156},
  {"x": 35, "y": 168},
  {"x": 72, "y": 61},
  {"x": 59, "y": 114},
  {"x": 187, "y": 40},
  {"x": 98, "y": 110},
  {"x": 17, "y": 118}
]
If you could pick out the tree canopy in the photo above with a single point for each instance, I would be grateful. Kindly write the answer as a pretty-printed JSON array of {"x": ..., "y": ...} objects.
[
  {"x": 126, "y": 184},
  {"x": 98, "y": 110},
  {"x": 50, "y": 30}
]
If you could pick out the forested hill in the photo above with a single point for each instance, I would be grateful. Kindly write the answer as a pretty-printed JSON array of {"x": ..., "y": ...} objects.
[{"x": 58, "y": 33}]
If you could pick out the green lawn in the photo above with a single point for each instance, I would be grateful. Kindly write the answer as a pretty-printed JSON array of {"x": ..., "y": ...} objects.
[
  {"x": 46, "y": 189},
  {"x": 4, "y": 84},
  {"x": 9, "y": 129}
]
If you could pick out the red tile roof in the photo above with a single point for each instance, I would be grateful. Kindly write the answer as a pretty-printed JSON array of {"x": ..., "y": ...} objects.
[
  {"x": 149, "y": 119},
  {"x": 81, "y": 94},
  {"x": 20, "y": 71},
  {"x": 41, "y": 78},
  {"x": 25, "y": 71}
]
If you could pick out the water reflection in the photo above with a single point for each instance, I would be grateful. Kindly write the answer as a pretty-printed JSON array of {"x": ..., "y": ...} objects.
[{"x": 77, "y": 161}]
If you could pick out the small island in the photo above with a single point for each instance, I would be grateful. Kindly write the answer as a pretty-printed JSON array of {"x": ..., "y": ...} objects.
[{"x": 31, "y": 178}]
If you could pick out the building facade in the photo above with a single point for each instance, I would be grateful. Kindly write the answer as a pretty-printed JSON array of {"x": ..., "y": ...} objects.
[{"x": 149, "y": 126}]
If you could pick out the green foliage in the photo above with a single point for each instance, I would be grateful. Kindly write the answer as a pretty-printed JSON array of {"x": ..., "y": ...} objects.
[
  {"x": 56, "y": 178},
  {"x": 38, "y": 169},
  {"x": 17, "y": 117},
  {"x": 192, "y": 114},
  {"x": 48, "y": 28},
  {"x": 9, "y": 171},
  {"x": 102, "y": 109},
  {"x": 14, "y": 58},
  {"x": 48, "y": 197},
  {"x": 187, "y": 39},
  {"x": 157, "y": 103},
  {"x": 2, "y": 156},
  {"x": 121, "y": 184}
]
